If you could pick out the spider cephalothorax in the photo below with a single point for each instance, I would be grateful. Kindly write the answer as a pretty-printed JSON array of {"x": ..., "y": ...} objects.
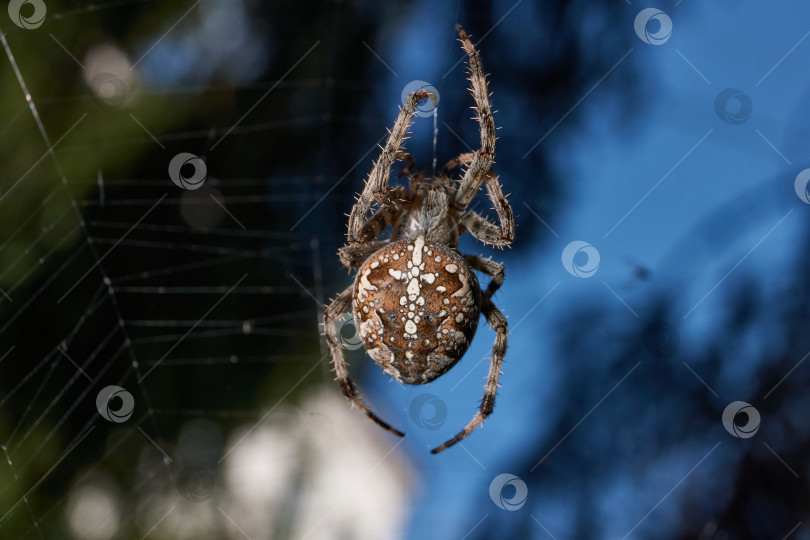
[{"x": 416, "y": 300}]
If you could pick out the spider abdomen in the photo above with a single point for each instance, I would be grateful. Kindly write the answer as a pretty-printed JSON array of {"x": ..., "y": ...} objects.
[{"x": 416, "y": 306}]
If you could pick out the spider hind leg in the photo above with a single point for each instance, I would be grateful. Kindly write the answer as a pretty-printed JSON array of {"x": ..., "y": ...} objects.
[
  {"x": 497, "y": 322},
  {"x": 339, "y": 305}
]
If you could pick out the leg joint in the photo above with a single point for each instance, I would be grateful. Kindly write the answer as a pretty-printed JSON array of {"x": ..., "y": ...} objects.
[
  {"x": 348, "y": 387},
  {"x": 487, "y": 404}
]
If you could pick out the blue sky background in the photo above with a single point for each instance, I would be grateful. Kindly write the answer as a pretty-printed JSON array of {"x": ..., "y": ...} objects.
[{"x": 608, "y": 166}]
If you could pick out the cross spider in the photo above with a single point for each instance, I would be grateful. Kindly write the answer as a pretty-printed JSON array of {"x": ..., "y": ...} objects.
[{"x": 416, "y": 300}]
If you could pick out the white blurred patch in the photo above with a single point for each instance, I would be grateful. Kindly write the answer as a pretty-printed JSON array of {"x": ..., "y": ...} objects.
[
  {"x": 109, "y": 75},
  {"x": 93, "y": 508},
  {"x": 318, "y": 472},
  {"x": 315, "y": 470}
]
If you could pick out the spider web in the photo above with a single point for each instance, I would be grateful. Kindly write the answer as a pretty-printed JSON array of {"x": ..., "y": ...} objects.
[{"x": 133, "y": 274}]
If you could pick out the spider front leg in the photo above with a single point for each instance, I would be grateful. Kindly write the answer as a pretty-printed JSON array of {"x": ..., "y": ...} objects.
[
  {"x": 376, "y": 188},
  {"x": 405, "y": 156},
  {"x": 482, "y": 159},
  {"x": 339, "y": 305},
  {"x": 460, "y": 160},
  {"x": 484, "y": 230},
  {"x": 497, "y": 322}
]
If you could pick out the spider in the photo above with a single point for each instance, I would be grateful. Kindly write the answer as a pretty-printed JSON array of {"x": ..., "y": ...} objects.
[{"x": 416, "y": 300}]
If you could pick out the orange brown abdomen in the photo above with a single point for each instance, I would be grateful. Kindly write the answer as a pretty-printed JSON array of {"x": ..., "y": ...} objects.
[{"x": 416, "y": 306}]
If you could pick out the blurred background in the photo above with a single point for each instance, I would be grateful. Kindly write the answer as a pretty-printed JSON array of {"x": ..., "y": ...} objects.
[{"x": 174, "y": 186}]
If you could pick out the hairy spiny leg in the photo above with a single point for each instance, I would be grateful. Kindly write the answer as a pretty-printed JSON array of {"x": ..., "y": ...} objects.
[{"x": 416, "y": 305}]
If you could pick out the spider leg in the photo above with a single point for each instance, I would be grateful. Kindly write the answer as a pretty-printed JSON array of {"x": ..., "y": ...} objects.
[
  {"x": 497, "y": 322},
  {"x": 339, "y": 305},
  {"x": 390, "y": 208},
  {"x": 481, "y": 160},
  {"x": 376, "y": 224},
  {"x": 489, "y": 267},
  {"x": 411, "y": 163},
  {"x": 376, "y": 188},
  {"x": 453, "y": 163},
  {"x": 354, "y": 255},
  {"x": 483, "y": 229}
]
